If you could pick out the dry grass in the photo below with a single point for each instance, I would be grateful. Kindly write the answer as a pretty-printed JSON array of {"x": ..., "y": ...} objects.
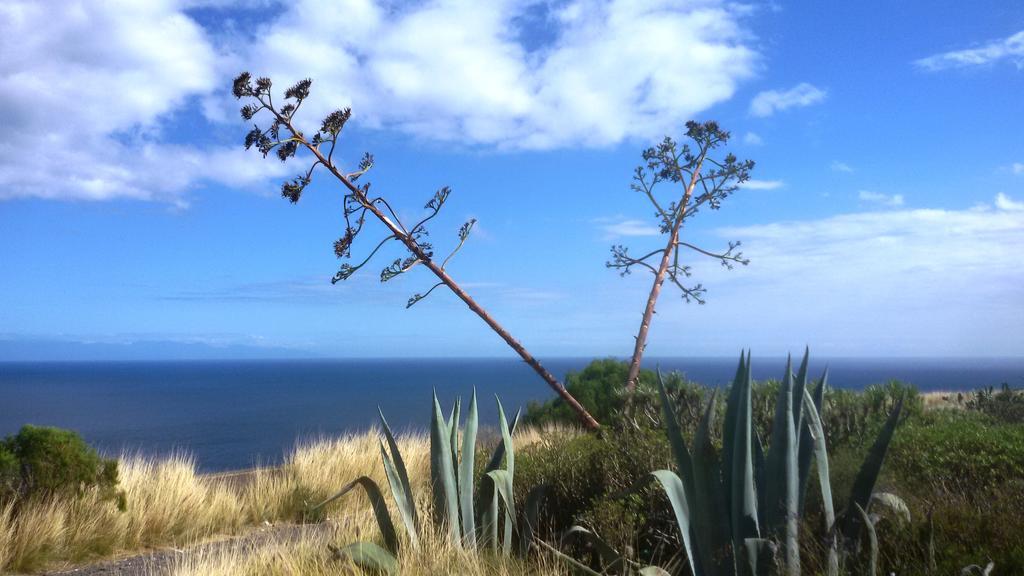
[
  {"x": 168, "y": 503},
  {"x": 309, "y": 555},
  {"x": 942, "y": 400}
]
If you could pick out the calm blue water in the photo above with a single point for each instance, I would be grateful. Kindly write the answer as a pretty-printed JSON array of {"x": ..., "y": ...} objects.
[{"x": 233, "y": 414}]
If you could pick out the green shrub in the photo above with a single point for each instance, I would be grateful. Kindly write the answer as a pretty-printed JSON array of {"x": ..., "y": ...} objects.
[
  {"x": 964, "y": 468},
  {"x": 854, "y": 417},
  {"x": 44, "y": 461},
  {"x": 600, "y": 388},
  {"x": 1006, "y": 405},
  {"x": 8, "y": 472},
  {"x": 601, "y": 481},
  {"x": 965, "y": 452}
]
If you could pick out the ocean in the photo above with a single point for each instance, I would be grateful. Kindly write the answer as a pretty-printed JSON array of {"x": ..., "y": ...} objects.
[{"x": 236, "y": 414}]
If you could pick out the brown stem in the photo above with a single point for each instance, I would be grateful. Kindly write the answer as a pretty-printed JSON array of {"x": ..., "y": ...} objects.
[
  {"x": 659, "y": 279},
  {"x": 448, "y": 281}
]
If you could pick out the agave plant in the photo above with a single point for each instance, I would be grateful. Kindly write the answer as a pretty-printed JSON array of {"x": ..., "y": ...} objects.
[
  {"x": 455, "y": 504},
  {"x": 739, "y": 510}
]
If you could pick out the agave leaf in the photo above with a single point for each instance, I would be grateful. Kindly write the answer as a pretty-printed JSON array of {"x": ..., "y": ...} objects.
[
  {"x": 510, "y": 468},
  {"x": 380, "y": 508},
  {"x": 576, "y": 565},
  {"x": 807, "y": 446},
  {"x": 369, "y": 556},
  {"x": 409, "y": 505},
  {"x": 403, "y": 501},
  {"x": 872, "y": 539},
  {"x": 453, "y": 431},
  {"x": 744, "y": 496},
  {"x": 729, "y": 429},
  {"x": 864, "y": 484},
  {"x": 533, "y": 500},
  {"x": 760, "y": 556},
  {"x": 499, "y": 451},
  {"x": 799, "y": 385},
  {"x": 711, "y": 534},
  {"x": 487, "y": 498},
  {"x": 817, "y": 435},
  {"x": 466, "y": 475},
  {"x": 489, "y": 519},
  {"x": 760, "y": 473},
  {"x": 976, "y": 569},
  {"x": 684, "y": 463},
  {"x": 610, "y": 557},
  {"x": 442, "y": 475},
  {"x": 780, "y": 503},
  {"x": 892, "y": 504},
  {"x": 774, "y": 489},
  {"x": 676, "y": 493},
  {"x": 503, "y": 482}
]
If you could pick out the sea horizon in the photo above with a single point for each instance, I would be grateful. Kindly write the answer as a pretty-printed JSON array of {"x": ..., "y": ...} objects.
[{"x": 232, "y": 414}]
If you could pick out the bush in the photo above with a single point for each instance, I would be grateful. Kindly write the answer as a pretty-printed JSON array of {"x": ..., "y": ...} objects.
[
  {"x": 1006, "y": 405},
  {"x": 44, "y": 461},
  {"x": 8, "y": 472},
  {"x": 600, "y": 388},
  {"x": 966, "y": 452},
  {"x": 852, "y": 417},
  {"x": 601, "y": 481},
  {"x": 965, "y": 470}
]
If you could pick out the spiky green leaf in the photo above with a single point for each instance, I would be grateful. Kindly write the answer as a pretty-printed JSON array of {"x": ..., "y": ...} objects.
[
  {"x": 676, "y": 493},
  {"x": 864, "y": 484},
  {"x": 817, "y": 436},
  {"x": 807, "y": 448},
  {"x": 442, "y": 475},
  {"x": 466, "y": 475},
  {"x": 503, "y": 482},
  {"x": 380, "y": 508},
  {"x": 744, "y": 496},
  {"x": 369, "y": 556},
  {"x": 872, "y": 540},
  {"x": 611, "y": 559},
  {"x": 408, "y": 505},
  {"x": 403, "y": 501}
]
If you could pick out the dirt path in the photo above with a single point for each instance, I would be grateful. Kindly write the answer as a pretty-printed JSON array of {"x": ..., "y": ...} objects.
[{"x": 161, "y": 562}]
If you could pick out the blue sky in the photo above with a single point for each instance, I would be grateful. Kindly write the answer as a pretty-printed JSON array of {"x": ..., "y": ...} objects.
[{"x": 885, "y": 218}]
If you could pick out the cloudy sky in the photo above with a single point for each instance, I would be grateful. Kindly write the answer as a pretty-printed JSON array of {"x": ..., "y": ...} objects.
[{"x": 885, "y": 218}]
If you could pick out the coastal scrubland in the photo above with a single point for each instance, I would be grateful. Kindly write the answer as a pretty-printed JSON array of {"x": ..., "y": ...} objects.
[{"x": 955, "y": 466}]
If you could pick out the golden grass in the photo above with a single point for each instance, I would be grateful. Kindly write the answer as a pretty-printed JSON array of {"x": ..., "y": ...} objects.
[
  {"x": 168, "y": 503},
  {"x": 309, "y": 555},
  {"x": 942, "y": 400}
]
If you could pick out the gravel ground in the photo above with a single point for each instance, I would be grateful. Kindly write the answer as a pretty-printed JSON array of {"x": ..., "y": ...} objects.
[{"x": 160, "y": 562}]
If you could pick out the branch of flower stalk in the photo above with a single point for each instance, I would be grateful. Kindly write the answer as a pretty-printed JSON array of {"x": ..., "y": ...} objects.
[{"x": 413, "y": 246}]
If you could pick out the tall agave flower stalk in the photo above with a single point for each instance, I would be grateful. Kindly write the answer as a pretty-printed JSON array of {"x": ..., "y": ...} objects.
[{"x": 457, "y": 508}]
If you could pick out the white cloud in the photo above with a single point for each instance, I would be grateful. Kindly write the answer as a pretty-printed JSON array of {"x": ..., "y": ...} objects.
[
  {"x": 922, "y": 282},
  {"x": 1017, "y": 168},
  {"x": 84, "y": 90},
  {"x": 457, "y": 70},
  {"x": 88, "y": 91},
  {"x": 627, "y": 227},
  {"x": 1004, "y": 202},
  {"x": 893, "y": 200},
  {"x": 762, "y": 184},
  {"x": 771, "y": 101},
  {"x": 1011, "y": 48},
  {"x": 752, "y": 139},
  {"x": 838, "y": 166}
]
